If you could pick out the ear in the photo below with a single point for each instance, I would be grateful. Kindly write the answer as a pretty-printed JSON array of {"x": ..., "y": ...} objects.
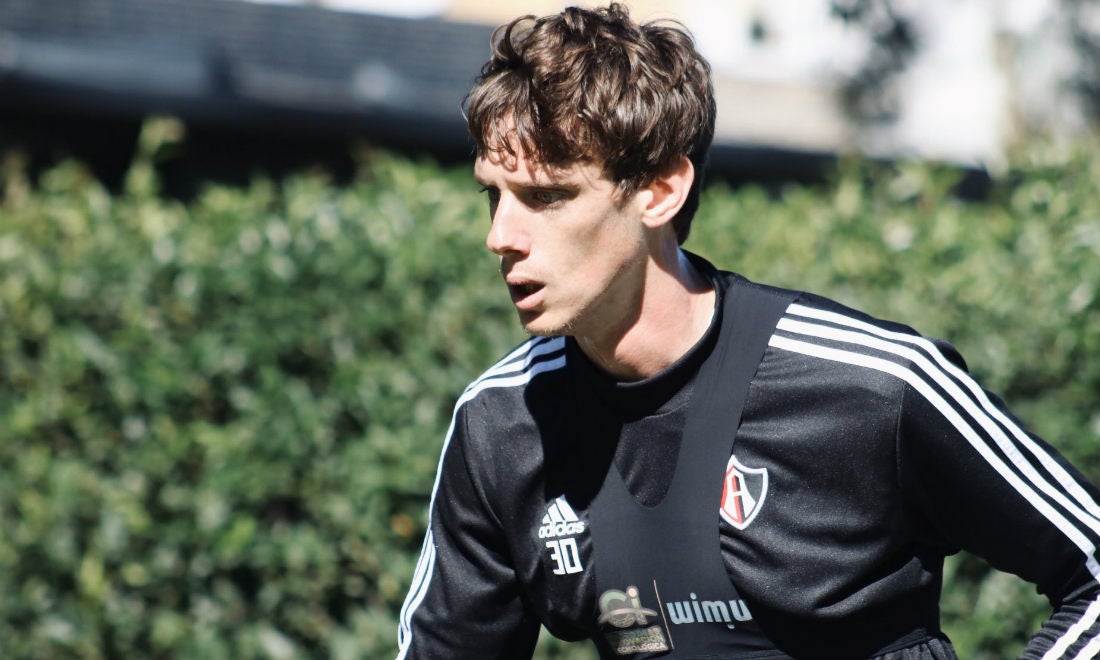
[{"x": 665, "y": 195}]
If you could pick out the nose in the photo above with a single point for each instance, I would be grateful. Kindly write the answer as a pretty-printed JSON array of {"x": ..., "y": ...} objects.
[{"x": 507, "y": 233}]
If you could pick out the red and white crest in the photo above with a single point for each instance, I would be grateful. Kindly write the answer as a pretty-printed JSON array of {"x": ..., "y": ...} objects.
[{"x": 743, "y": 493}]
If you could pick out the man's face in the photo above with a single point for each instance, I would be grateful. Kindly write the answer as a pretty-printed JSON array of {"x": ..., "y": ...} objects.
[{"x": 572, "y": 249}]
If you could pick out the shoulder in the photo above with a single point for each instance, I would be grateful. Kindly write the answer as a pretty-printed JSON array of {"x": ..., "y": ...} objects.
[
  {"x": 821, "y": 343},
  {"x": 827, "y": 330},
  {"x": 822, "y": 328},
  {"x": 817, "y": 327},
  {"x": 501, "y": 394},
  {"x": 536, "y": 356}
]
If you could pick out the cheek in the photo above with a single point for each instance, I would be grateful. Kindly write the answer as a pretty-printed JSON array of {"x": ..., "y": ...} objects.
[
  {"x": 620, "y": 239},
  {"x": 608, "y": 258},
  {"x": 595, "y": 247}
]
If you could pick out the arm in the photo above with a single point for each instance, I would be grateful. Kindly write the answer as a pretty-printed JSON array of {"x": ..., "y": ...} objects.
[
  {"x": 975, "y": 479},
  {"x": 465, "y": 600}
]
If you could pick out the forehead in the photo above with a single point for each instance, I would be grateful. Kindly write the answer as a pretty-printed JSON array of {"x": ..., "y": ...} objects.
[{"x": 517, "y": 169}]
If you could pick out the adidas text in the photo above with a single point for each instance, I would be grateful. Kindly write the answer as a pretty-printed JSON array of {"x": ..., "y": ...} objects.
[{"x": 553, "y": 530}]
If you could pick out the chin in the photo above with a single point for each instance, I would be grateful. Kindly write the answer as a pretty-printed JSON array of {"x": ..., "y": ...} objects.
[{"x": 537, "y": 325}]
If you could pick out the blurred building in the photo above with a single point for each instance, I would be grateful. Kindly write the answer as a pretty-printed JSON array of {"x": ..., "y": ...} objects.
[
  {"x": 981, "y": 75},
  {"x": 956, "y": 80}
]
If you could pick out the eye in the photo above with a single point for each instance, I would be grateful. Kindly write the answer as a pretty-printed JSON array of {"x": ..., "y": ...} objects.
[
  {"x": 546, "y": 197},
  {"x": 494, "y": 198}
]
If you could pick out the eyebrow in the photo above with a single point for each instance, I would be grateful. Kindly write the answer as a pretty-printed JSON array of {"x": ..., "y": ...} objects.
[{"x": 538, "y": 182}]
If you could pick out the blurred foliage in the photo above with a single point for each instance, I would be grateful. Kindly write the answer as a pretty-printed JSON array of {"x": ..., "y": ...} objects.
[{"x": 220, "y": 419}]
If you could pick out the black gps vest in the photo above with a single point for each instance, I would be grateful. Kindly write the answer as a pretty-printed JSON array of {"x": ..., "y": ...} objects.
[{"x": 662, "y": 584}]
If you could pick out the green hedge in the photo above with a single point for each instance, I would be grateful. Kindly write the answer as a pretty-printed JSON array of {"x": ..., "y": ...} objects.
[{"x": 220, "y": 419}]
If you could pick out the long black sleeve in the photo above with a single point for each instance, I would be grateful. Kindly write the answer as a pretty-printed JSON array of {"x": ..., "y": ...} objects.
[
  {"x": 977, "y": 480},
  {"x": 465, "y": 600}
]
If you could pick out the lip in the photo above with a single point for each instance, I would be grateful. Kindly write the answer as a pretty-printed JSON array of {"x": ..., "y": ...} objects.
[{"x": 526, "y": 294}]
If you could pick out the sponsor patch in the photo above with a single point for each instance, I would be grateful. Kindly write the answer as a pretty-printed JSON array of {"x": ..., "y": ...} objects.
[
  {"x": 631, "y": 633},
  {"x": 645, "y": 640}
]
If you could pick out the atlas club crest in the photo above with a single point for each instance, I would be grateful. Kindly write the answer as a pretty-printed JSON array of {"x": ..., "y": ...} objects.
[{"x": 743, "y": 493}]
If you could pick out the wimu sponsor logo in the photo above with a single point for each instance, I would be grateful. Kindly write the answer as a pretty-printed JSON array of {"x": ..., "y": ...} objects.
[{"x": 707, "y": 611}]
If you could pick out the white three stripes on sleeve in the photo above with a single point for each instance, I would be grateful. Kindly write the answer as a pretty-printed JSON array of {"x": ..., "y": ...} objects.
[
  {"x": 980, "y": 410},
  {"x": 1056, "y": 470},
  {"x": 515, "y": 369},
  {"x": 1090, "y": 650},
  {"x": 1074, "y": 633},
  {"x": 980, "y": 414}
]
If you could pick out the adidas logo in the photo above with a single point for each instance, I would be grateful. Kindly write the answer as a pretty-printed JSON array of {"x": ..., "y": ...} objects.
[{"x": 560, "y": 520}]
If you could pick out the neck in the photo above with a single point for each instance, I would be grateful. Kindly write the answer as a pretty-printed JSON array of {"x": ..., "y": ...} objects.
[{"x": 674, "y": 311}]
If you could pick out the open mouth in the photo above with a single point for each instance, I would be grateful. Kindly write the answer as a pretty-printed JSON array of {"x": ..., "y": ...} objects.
[{"x": 521, "y": 292}]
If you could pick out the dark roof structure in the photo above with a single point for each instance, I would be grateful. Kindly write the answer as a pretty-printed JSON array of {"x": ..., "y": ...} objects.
[
  {"x": 236, "y": 62},
  {"x": 268, "y": 80},
  {"x": 229, "y": 66}
]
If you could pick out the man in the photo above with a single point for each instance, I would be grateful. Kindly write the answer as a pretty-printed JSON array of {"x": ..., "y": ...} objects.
[{"x": 684, "y": 464}]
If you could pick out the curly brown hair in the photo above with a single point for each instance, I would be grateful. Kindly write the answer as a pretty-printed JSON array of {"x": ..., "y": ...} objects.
[{"x": 592, "y": 85}]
